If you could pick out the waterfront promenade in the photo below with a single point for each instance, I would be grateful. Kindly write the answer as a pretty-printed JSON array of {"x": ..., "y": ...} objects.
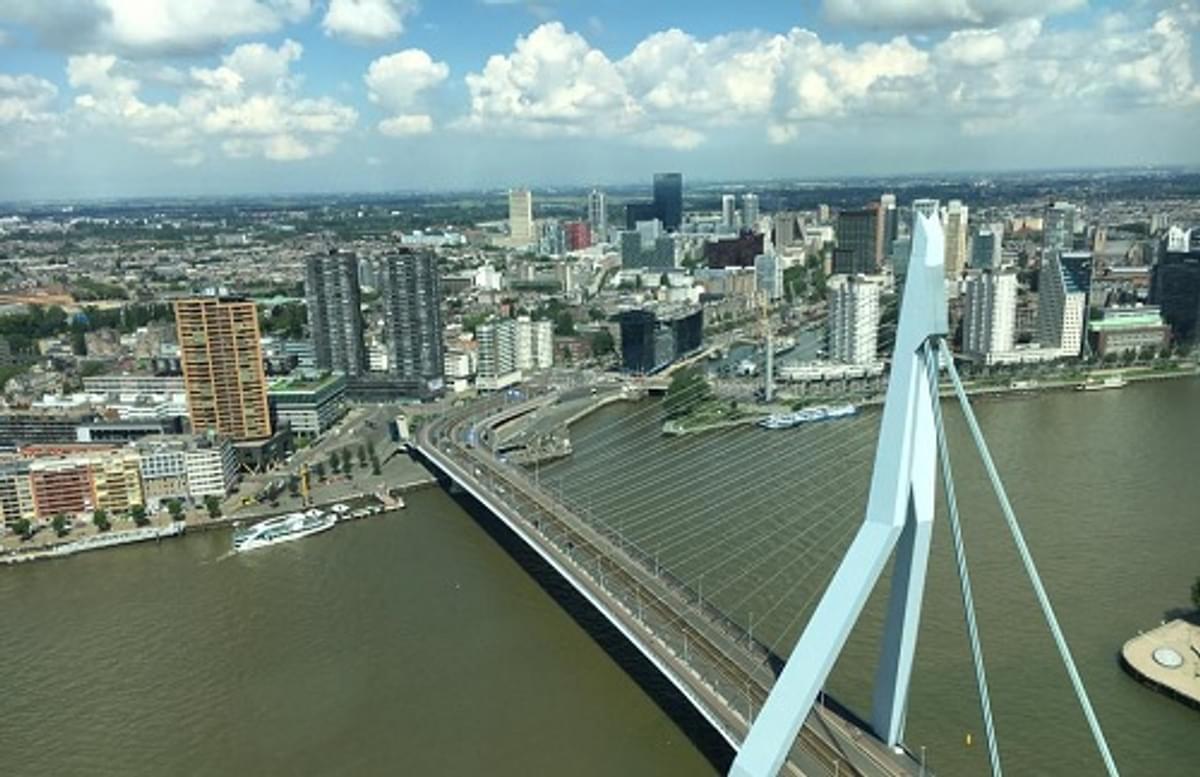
[{"x": 1167, "y": 658}]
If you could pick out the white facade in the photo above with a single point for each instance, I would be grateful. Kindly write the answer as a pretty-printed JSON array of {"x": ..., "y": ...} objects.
[
  {"x": 768, "y": 276},
  {"x": 925, "y": 207},
  {"x": 534, "y": 344},
  {"x": 749, "y": 210},
  {"x": 377, "y": 357},
  {"x": 598, "y": 216},
  {"x": 211, "y": 471},
  {"x": 487, "y": 277},
  {"x": 990, "y": 313},
  {"x": 956, "y": 238},
  {"x": 853, "y": 319},
  {"x": 183, "y": 467},
  {"x": 497, "y": 355},
  {"x": 459, "y": 364},
  {"x": 520, "y": 216},
  {"x": 1062, "y": 308},
  {"x": 728, "y": 212}
]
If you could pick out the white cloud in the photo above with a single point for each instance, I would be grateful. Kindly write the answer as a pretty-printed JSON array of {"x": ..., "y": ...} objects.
[
  {"x": 151, "y": 27},
  {"x": 27, "y": 114},
  {"x": 407, "y": 124},
  {"x": 367, "y": 21},
  {"x": 946, "y": 14},
  {"x": 248, "y": 105},
  {"x": 675, "y": 90}
]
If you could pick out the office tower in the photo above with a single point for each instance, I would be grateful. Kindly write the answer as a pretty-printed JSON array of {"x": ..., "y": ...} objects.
[
  {"x": 749, "y": 210},
  {"x": 334, "y": 303},
  {"x": 631, "y": 249},
  {"x": 853, "y": 319},
  {"x": 823, "y": 213},
  {"x": 534, "y": 344},
  {"x": 520, "y": 216},
  {"x": 662, "y": 256},
  {"x": 552, "y": 238},
  {"x": 990, "y": 313},
  {"x": 768, "y": 276},
  {"x": 728, "y": 212},
  {"x": 787, "y": 230},
  {"x": 222, "y": 363},
  {"x": 956, "y": 239},
  {"x": 651, "y": 341},
  {"x": 1063, "y": 286},
  {"x": 1175, "y": 282},
  {"x": 1058, "y": 227},
  {"x": 887, "y": 228},
  {"x": 668, "y": 199},
  {"x": 855, "y": 233},
  {"x": 411, "y": 292},
  {"x": 926, "y": 207},
  {"x": 578, "y": 235},
  {"x": 986, "y": 247},
  {"x": 497, "y": 355},
  {"x": 598, "y": 215}
]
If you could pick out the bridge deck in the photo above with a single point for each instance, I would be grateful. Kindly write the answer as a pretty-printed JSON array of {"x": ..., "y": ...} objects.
[{"x": 713, "y": 662}]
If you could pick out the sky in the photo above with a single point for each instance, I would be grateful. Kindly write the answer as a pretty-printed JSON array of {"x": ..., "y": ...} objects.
[{"x": 119, "y": 98}]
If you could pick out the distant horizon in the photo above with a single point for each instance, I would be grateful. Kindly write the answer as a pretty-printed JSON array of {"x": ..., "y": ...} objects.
[{"x": 623, "y": 186}]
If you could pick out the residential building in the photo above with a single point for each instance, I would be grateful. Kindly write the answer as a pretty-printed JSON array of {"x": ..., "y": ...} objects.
[
  {"x": 887, "y": 228},
  {"x": 956, "y": 221},
  {"x": 552, "y": 238},
  {"x": 598, "y": 215},
  {"x": 749, "y": 210},
  {"x": 1124, "y": 329},
  {"x": 853, "y": 319},
  {"x": 768, "y": 276},
  {"x": 534, "y": 345},
  {"x": 129, "y": 385},
  {"x": 61, "y": 486},
  {"x": 986, "y": 247},
  {"x": 668, "y": 199},
  {"x": 308, "y": 407},
  {"x": 786, "y": 230},
  {"x": 989, "y": 313},
  {"x": 116, "y": 481},
  {"x": 578, "y": 235},
  {"x": 520, "y": 217},
  {"x": 223, "y": 367},
  {"x": 1058, "y": 227},
  {"x": 728, "y": 212},
  {"x": 16, "y": 493},
  {"x": 497, "y": 355},
  {"x": 413, "y": 320},
  {"x": 334, "y": 306},
  {"x": 22, "y": 427},
  {"x": 1063, "y": 287}
]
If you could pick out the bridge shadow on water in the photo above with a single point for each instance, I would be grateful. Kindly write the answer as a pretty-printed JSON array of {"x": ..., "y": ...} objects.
[{"x": 691, "y": 723}]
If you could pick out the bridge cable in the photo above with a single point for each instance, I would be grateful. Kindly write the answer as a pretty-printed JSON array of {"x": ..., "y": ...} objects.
[
  {"x": 932, "y": 356},
  {"x": 1031, "y": 570}
]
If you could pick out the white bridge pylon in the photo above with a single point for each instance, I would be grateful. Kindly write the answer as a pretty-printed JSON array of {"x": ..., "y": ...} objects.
[{"x": 899, "y": 517}]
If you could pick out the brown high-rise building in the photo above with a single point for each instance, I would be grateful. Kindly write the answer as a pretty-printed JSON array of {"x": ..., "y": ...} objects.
[{"x": 222, "y": 367}]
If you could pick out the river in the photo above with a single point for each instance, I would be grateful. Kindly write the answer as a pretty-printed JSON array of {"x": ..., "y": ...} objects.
[{"x": 413, "y": 644}]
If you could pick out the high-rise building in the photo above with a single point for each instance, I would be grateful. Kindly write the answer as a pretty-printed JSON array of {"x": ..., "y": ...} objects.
[
  {"x": 986, "y": 247},
  {"x": 728, "y": 212},
  {"x": 578, "y": 235},
  {"x": 1175, "y": 282},
  {"x": 926, "y": 207},
  {"x": 497, "y": 355},
  {"x": 598, "y": 215},
  {"x": 222, "y": 363},
  {"x": 668, "y": 199},
  {"x": 853, "y": 319},
  {"x": 334, "y": 303},
  {"x": 534, "y": 344},
  {"x": 1064, "y": 283},
  {"x": 552, "y": 238},
  {"x": 768, "y": 276},
  {"x": 856, "y": 243},
  {"x": 520, "y": 216},
  {"x": 887, "y": 228},
  {"x": 787, "y": 230},
  {"x": 749, "y": 210},
  {"x": 990, "y": 313},
  {"x": 1058, "y": 227},
  {"x": 413, "y": 320},
  {"x": 651, "y": 341},
  {"x": 956, "y": 239}
]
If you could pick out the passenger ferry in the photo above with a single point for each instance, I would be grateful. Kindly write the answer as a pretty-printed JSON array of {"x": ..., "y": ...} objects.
[
  {"x": 1114, "y": 382},
  {"x": 286, "y": 528},
  {"x": 808, "y": 415}
]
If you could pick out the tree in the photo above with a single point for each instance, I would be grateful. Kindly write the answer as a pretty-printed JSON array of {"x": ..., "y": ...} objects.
[
  {"x": 564, "y": 324},
  {"x": 362, "y": 456},
  {"x": 100, "y": 519},
  {"x": 60, "y": 525},
  {"x": 138, "y": 514},
  {"x": 1196, "y": 593},
  {"x": 23, "y": 528},
  {"x": 375, "y": 468},
  {"x": 213, "y": 505},
  {"x": 319, "y": 470},
  {"x": 688, "y": 388},
  {"x": 335, "y": 463},
  {"x": 602, "y": 342},
  {"x": 175, "y": 508}
]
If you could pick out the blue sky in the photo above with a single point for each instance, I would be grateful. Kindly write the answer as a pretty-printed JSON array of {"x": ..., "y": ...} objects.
[{"x": 154, "y": 97}]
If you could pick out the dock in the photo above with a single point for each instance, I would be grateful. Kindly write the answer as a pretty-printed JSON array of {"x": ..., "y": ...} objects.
[{"x": 1168, "y": 659}]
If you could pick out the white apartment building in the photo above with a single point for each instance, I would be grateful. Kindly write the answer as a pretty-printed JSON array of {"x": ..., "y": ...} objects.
[
  {"x": 497, "y": 355},
  {"x": 183, "y": 467},
  {"x": 853, "y": 319},
  {"x": 534, "y": 345},
  {"x": 990, "y": 313},
  {"x": 520, "y": 217},
  {"x": 768, "y": 276},
  {"x": 1063, "y": 286}
]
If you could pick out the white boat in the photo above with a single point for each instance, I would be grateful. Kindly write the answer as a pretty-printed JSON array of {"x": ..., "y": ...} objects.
[
  {"x": 1114, "y": 382},
  {"x": 778, "y": 421},
  {"x": 808, "y": 415},
  {"x": 293, "y": 526}
]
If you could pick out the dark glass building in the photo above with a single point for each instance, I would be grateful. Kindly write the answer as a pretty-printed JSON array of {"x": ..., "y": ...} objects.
[
  {"x": 413, "y": 320},
  {"x": 650, "y": 342},
  {"x": 334, "y": 302},
  {"x": 668, "y": 199},
  {"x": 1175, "y": 288},
  {"x": 856, "y": 242}
]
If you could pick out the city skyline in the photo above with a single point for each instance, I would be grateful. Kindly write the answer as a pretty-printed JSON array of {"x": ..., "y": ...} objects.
[{"x": 270, "y": 97}]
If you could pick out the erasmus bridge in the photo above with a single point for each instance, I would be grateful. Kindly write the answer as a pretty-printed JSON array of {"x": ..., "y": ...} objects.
[{"x": 757, "y": 678}]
